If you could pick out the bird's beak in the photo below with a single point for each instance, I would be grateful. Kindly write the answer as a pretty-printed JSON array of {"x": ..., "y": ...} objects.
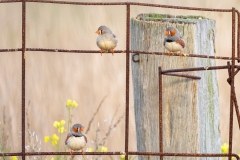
[
  {"x": 166, "y": 33},
  {"x": 98, "y": 32},
  {"x": 81, "y": 129}
]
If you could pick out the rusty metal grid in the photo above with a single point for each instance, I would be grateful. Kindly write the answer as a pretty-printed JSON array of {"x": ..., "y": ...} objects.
[{"x": 171, "y": 72}]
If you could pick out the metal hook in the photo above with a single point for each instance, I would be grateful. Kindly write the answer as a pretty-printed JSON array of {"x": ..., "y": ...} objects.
[{"x": 133, "y": 59}]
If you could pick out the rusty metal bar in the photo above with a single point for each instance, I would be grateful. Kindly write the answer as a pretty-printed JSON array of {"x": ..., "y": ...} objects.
[
  {"x": 116, "y": 51},
  {"x": 120, "y": 153},
  {"x": 183, "y": 75},
  {"x": 229, "y": 72},
  {"x": 232, "y": 83},
  {"x": 236, "y": 108},
  {"x": 238, "y": 36},
  {"x": 78, "y": 3},
  {"x": 127, "y": 78},
  {"x": 72, "y": 51},
  {"x": 131, "y": 3},
  {"x": 234, "y": 74},
  {"x": 10, "y": 1},
  {"x": 197, "y": 69},
  {"x": 160, "y": 112},
  {"x": 185, "y": 55},
  {"x": 11, "y": 50},
  {"x": 23, "y": 74},
  {"x": 234, "y": 95},
  {"x": 184, "y": 154}
]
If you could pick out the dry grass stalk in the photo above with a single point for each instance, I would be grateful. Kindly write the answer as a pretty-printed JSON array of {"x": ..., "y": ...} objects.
[{"x": 90, "y": 122}]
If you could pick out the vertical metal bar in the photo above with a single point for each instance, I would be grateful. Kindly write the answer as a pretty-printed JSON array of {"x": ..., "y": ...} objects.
[
  {"x": 236, "y": 108},
  {"x": 127, "y": 77},
  {"x": 232, "y": 83},
  {"x": 23, "y": 75},
  {"x": 160, "y": 112},
  {"x": 238, "y": 37}
]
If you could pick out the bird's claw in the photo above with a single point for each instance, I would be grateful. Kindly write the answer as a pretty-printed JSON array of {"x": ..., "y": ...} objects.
[
  {"x": 180, "y": 54},
  {"x": 169, "y": 53},
  {"x": 112, "y": 51}
]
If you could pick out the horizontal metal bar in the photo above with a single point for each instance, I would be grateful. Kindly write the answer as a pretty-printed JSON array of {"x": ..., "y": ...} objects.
[
  {"x": 183, "y": 75},
  {"x": 116, "y": 51},
  {"x": 121, "y": 153},
  {"x": 72, "y": 51},
  {"x": 10, "y": 1},
  {"x": 196, "y": 69},
  {"x": 11, "y": 50},
  {"x": 78, "y": 3},
  {"x": 184, "y": 55},
  {"x": 122, "y": 3},
  {"x": 184, "y": 154}
]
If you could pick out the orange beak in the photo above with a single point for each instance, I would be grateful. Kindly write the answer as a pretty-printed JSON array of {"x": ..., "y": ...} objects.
[
  {"x": 98, "y": 32},
  {"x": 166, "y": 33},
  {"x": 81, "y": 129}
]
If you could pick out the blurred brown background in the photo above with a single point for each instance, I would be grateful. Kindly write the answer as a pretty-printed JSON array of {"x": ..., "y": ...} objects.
[{"x": 52, "y": 78}]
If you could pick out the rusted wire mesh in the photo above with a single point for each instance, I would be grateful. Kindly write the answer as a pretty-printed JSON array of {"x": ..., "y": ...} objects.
[{"x": 231, "y": 70}]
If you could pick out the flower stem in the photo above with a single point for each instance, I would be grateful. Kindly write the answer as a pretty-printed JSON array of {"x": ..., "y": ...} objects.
[
  {"x": 58, "y": 146},
  {"x": 69, "y": 118}
]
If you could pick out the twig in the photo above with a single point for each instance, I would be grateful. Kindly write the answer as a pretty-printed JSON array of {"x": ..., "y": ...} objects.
[
  {"x": 96, "y": 139},
  {"x": 111, "y": 127},
  {"x": 90, "y": 122}
]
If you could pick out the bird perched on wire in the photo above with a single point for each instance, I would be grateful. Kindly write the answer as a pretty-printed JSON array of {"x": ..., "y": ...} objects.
[
  {"x": 106, "y": 40},
  {"x": 76, "y": 139},
  {"x": 173, "y": 41}
]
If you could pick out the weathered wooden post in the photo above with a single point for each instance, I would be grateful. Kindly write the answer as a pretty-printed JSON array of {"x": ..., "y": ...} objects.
[{"x": 190, "y": 107}]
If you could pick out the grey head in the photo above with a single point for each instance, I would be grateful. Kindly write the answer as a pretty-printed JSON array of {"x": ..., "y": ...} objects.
[
  {"x": 172, "y": 34},
  {"x": 104, "y": 30},
  {"x": 76, "y": 130}
]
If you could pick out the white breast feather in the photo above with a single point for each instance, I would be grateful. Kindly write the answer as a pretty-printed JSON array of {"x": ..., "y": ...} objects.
[
  {"x": 173, "y": 46},
  {"x": 106, "y": 44},
  {"x": 76, "y": 143}
]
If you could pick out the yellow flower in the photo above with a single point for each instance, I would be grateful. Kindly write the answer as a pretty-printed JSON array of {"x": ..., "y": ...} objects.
[
  {"x": 54, "y": 143},
  {"x": 62, "y": 122},
  {"x": 104, "y": 149},
  {"x": 224, "y": 148},
  {"x": 61, "y": 130},
  {"x": 74, "y": 104},
  {"x": 14, "y": 158},
  {"x": 55, "y": 137},
  {"x": 122, "y": 156},
  {"x": 89, "y": 150},
  {"x": 56, "y": 124},
  {"x": 69, "y": 103},
  {"x": 46, "y": 139},
  {"x": 52, "y": 159},
  {"x": 60, "y": 126}
]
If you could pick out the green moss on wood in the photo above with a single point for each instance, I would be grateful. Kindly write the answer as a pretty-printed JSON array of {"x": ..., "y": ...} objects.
[{"x": 169, "y": 18}]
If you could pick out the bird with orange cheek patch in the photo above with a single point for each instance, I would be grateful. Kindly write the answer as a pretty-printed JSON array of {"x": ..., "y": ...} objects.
[
  {"x": 106, "y": 40},
  {"x": 173, "y": 41},
  {"x": 76, "y": 139}
]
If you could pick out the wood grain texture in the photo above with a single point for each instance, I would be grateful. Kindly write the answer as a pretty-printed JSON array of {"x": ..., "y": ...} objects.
[{"x": 190, "y": 107}]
